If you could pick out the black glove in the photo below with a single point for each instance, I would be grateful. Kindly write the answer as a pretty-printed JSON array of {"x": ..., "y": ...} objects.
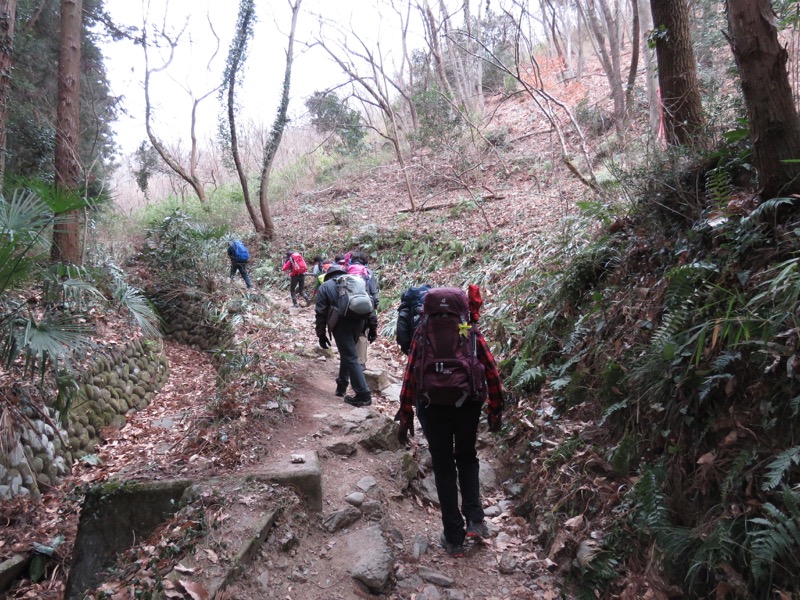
[
  {"x": 324, "y": 343},
  {"x": 406, "y": 426},
  {"x": 495, "y": 421},
  {"x": 372, "y": 335}
]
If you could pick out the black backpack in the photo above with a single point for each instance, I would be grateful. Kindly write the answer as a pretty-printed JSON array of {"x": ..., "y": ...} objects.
[{"x": 409, "y": 314}]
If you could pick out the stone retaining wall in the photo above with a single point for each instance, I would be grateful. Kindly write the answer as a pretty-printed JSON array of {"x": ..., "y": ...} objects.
[
  {"x": 117, "y": 384},
  {"x": 120, "y": 381},
  {"x": 188, "y": 319}
]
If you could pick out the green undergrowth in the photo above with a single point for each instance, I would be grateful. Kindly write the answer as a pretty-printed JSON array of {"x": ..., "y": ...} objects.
[{"x": 675, "y": 331}]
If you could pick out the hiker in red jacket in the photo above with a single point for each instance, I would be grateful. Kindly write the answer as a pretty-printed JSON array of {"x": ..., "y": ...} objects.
[
  {"x": 296, "y": 266},
  {"x": 450, "y": 418}
]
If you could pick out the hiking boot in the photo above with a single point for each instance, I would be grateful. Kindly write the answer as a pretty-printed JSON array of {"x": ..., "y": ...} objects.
[
  {"x": 341, "y": 388},
  {"x": 359, "y": 400},
  {"x": 477, "y": 531},
  {"x": 454, "y": 550}
]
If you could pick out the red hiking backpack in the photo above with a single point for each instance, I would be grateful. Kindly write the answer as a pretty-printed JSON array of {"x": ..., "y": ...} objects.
[
  {"x": 449, "y": 371},
  {"x": 298, "y": 264}
]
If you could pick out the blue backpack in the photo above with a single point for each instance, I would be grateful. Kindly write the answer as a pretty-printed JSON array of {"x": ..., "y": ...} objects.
[{"x": 238, "y": 252}]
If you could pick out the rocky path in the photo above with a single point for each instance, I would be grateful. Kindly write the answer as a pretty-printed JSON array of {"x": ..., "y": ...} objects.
[{"x": 375, "y": 536}]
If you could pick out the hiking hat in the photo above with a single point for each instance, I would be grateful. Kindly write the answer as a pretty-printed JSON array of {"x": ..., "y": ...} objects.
[{"x": 334, "y": 270}]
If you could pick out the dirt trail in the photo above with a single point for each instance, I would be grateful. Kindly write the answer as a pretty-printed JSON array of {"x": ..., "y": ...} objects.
[{"x": 315, "y": 569}]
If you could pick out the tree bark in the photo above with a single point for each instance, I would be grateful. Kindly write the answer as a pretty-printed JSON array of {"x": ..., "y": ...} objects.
[
  {"x": 651, "y": 70},
  {"x": 772, "y": 115},
  {"x": 66, "y": 235},
  {"x": 8, "y": 16},
  {"x": 432, "y": 33},
  {"x": 606, "y": 45},
  {"x": 634, "y": 67},
  {"x": 189, "y": 175},
  {"x": 236, "y": 59},
  {"x": 682, "y": 111},
  {"x": 276, "y": 133}
]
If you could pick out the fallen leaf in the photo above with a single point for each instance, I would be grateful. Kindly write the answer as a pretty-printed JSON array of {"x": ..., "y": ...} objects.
[
  {"x": 184, "y": 569},
  {"x": 195, "y": 590},
  {"x": 212, "y": 556},
  {"x": 574, "y": 522},
  {"x": 730, "y": 438},
  {"x": 707, "y": 459}
]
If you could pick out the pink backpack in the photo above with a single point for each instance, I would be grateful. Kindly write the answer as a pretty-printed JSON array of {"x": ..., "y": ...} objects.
[
  {"x": 356, "y": 269},
  {"x": 449, "y": 371}
]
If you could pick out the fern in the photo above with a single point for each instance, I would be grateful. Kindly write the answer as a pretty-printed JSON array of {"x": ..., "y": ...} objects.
[
  {"x": 614, "y": 408},
  {"x": 721, "y": 546},
  {"x": 775, "y": 541},
  {"x": 718, "y": 186},
  {"x": 651, "y": 511},
  {"x": 530, "y": 379},
  {"x": 685, "y": 281},
  {"x": 778, "y": 467},
  {"x": 737, "y": 468},
  {"x": 578, "y": 335}
]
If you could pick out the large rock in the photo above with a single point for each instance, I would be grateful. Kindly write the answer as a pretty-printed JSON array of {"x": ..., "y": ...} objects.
[
  {"x": 372, "y": 558},
  {"x": 376, "y": 380},
  {"x": 380, "y": 434},
  {"x": 341, "y": 519}
]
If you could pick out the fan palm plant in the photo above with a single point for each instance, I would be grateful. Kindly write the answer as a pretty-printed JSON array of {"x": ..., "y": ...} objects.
[{"x": 43, "y": 338}]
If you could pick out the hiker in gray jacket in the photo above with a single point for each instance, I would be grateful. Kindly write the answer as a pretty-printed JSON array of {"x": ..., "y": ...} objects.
[{"x": 345, "y": 331}]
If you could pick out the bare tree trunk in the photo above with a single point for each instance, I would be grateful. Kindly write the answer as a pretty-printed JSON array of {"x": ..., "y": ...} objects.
[
  {"x": 635, "y": 33},
  {"x": 188, "y": 174},
  {"x": 774, "y": 123},
  {"x": 603, "y": 33},
  {"x": 236, "y": 59},
  {"x": 677, "y": 73},
  {"x": 432, "y": 33},
  {"x": 651, "y": 70},
  {"x": 463, "y": 96},
  {"x": 406, "y": 88},
  {"x": 276, "y": 133},
  {"x": 549, "y": 16},
  {"x": 581, "y": 56},
  {"x": 66, "y": 235},
  {"x": 8, "y": 16},
  {"x": 377, "y": 98}
]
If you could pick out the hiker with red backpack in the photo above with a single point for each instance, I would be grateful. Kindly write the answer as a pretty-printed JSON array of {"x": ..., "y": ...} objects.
[
  {"x": 449, "y": 374},
  {"x": 239, "y": 256},
  {"x": 295, "y": 265},
  {"x": 344, "y": 309}
]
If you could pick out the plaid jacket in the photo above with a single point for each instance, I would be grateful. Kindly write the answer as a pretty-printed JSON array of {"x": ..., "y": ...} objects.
[{"x": 495, "y": 392}]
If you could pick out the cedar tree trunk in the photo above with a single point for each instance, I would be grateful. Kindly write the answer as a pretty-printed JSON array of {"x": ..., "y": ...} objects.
[
  {"x": 774, "y": 126},
  {"x": 677, "y": 72},
  {"x": 66, "y": 234}
]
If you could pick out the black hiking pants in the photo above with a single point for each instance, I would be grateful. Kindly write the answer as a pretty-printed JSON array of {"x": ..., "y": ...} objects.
[
  {"x": 240, "y": 267},
  {"x": 451, "y": 433},
  {"x": 297, "y": 286}
]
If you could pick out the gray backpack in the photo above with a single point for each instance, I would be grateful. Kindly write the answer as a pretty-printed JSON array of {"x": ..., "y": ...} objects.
[{"x": 352, "y": 299}]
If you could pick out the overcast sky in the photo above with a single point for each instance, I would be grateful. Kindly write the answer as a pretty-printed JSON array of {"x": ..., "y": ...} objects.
[{"x": 196, "y": 69}]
